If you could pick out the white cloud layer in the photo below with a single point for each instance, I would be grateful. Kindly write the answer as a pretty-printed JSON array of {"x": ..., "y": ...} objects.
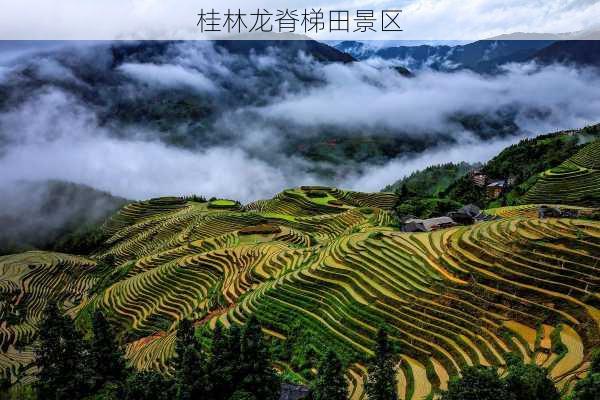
[
  {"x": 168, "y": 76},
  {"x": 52, "y": 133},
  {"x": 373, "y": 178},
  {"x": 59, "y": 139},
  {"x": 360, "y": 96}
]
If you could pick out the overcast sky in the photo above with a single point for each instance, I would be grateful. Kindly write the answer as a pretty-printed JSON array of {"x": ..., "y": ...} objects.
[{"x": 172, "y": 19}]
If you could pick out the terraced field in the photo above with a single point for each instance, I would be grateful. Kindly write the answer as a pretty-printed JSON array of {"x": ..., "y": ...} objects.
[
  {"x": 531, "y": 210},
  {"x": 335, "y": 265},
  {"x": 575, "y": 182},
  {"x": 27, "y": 282}
]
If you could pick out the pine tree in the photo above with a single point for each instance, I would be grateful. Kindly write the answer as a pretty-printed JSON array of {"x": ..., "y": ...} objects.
[
  {"x": 381, "y": 380},
  {"x": 188, "y": 363},
  {"x": 107, "y": 359},
  {"x": 404, "y": 193},
  {"x": 330, "y": 383},
  {"x": 587, "y": 388},
  {"x": 61, "y": 358},
  {"x": 5, "y": 382},
  {"x": 258, "y": 377},
  {"x": 529, "y": 381},
  {"x": 148, "y": 385},
  {"x": 224, "y": 369},
  {"x": 477, "y": 383},
  {"x": 595, "y": 364}
]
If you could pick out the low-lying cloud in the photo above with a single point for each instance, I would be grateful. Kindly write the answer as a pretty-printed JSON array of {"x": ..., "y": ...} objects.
[
  {"x": 362, "y": 96},
  {"x": 58, "y": 138},
  {"x": 373, "y": 178},
  {"x": 64, "y": 127},
  {"x": 37, "y": 214},
  {"x": 168, "y": 76}
]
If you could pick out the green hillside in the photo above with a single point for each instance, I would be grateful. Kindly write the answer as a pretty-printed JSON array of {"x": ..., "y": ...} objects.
[
  {"x": 439, "y": 189},
  {"x": 522, "y": 162},
  {"x": 576, "y": 181},
  {"x": 324, "y": 268},
  {"x": 432, "y": 180}
]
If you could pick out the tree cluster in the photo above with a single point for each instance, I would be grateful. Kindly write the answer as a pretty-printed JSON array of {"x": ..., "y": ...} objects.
[
  {"x": 73, "y": 368},
  {"x": 236, "y": 366},
  {"x": 589, "y": 387},
  {"x": 521, "y": 382}
]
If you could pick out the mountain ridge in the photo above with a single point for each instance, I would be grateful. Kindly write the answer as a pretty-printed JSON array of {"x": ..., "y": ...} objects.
[{"x": 484, "y": 56}]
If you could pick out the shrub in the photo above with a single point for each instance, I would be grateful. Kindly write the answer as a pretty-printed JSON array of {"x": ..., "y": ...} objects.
[
  {"x": 316, "y": 194},
  {"x": 263, "y": 229}
]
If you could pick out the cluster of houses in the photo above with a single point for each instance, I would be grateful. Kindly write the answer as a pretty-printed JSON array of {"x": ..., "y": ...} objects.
[
  {"x": 493, "y": 188},
  {"x": 467, "y": 215},
  {"x": 545, "y": 211},
  {"x": 471, "y": 214}
]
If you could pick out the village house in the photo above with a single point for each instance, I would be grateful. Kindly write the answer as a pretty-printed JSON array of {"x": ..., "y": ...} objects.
[
  {"x": 468, "y": 215},
  {"x": 548, "y": 212},
  {"x": 545, "y": 211},
  {"x": 427, "y": 225},
  {"x": 478, "y": 178},
  {"x": 495, "y": 189}
]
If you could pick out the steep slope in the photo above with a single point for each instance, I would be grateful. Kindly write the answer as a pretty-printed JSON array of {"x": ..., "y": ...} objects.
[
  {"x": 576, "y": 181},
  {"x": 522, "y": 161},
  {"x": 432, "y": 180},
  {"x": 27, "y": 282},
  {"x": 331, "y": 262}
]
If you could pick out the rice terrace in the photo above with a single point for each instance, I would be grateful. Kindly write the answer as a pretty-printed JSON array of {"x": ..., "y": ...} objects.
[
  {"x": 373, "y": 200},
  {"x": 334, "y": 265}
]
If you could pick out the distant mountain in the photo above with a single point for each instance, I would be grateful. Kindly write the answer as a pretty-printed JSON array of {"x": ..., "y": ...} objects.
[
  {"x": 579, "y": 52},
  {"x": 358, "y": 50},
  {"x": 150, "y": 88},
  {"x": 486, "y": 56},
  {"x": 588, "y": 34},
  {"x": 320, "y": 51},
  {"x": 480, "y": 56},
  {"x": 483, "y": 56},
  {"x": 50, "y": 214},
  {"x": 147, "y": 51}
]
